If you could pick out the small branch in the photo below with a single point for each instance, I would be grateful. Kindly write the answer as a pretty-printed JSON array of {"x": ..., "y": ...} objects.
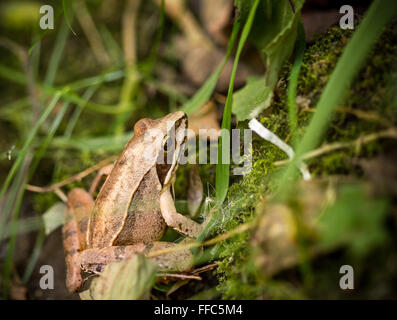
[
  {"x": 76, "y": 177},
  {"x": 176, "y": 9},
  {"x": 179, "y": 275},
  {"x": 130, "y": 84},
  {"x": 91, "y": 32},
  {"x": 241, "y": 228},
  {"x": 365, "y": 115},
  {"x": 389, "y": 133},
  {"x": 129, "y": 23},
  {"x": 205, "y": 268}
]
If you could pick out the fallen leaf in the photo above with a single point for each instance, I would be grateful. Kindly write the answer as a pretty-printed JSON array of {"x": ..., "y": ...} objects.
[
  {"x": 129, "y": 279},
  {"x": 205, "y": 119},
  {"x": 54, "y": 217},
  {"x": 195, "y": 192},
  {"x": 215, "y": 16}
]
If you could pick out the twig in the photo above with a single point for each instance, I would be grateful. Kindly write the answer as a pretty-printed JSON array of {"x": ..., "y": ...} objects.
[
  {"x": 61, "y": 195},
  {"x": 129, "y": 31},
  {"x": 365, "y": 115},
  {"x": 91, "y": 32},
  {"x": 222, "y": 237},
  {"x": 130, "y": 84},
  {"x": 177, "y": 10},
  {"x": 389, "y": 133},
  {"x": 205, "y": 268},
  {"x": 179, "y": 275},
  {"x": 76, "y": 177}
]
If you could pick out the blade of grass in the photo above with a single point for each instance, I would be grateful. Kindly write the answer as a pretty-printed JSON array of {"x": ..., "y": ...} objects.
[
  {"x": 222, "y": 169},
  {"x": 293, "y": 80},
  {"x": 12, "y": 204},
  {"x": 57, "y": 54},
  {"x": 79, "y": 109},
  {"x": 65, "y": 92},
  {"x": 379, "y": 14},
  {"x": 65, "y": 11},
  {"x": 26, "y": 146},
  {"x": 18, "y": 202}
]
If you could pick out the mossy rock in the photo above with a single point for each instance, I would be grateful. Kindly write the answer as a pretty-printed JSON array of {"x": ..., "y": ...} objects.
[{"x": 371, "y": 94}]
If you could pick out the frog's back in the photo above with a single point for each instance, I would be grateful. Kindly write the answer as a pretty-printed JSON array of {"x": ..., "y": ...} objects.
[
  {"x": 144, "y": 222},
  {"x": 114, "y": 199}
]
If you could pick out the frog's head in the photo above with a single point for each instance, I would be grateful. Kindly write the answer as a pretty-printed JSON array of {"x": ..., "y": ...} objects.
[{"x": 164, "y": 142}]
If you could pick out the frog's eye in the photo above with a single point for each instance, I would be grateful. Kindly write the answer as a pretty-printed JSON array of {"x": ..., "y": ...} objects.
[{"x": 168, "y": 143}]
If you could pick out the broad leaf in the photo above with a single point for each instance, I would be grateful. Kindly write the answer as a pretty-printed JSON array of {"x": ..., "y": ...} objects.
[
  {"x": 130, "y": 279},
  {"x": 54, "y": 217},
  {"x": 274, "y": 33}
]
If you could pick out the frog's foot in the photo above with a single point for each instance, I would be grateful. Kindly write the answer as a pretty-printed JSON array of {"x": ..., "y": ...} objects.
[
  {"x": 74, "y": 233},
  {"x": 71, "y": 245},
  {"x": 95, "y": 260},
  {"x": 177, "y": 261},
  {"x": 175, "y": 220}
]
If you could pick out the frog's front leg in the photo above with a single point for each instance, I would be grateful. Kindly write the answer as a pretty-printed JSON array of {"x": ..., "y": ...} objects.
[
  {"x": 103, "y": 172},
  {"x": 175, "y": 220},
  {"x": 74, "y": 234}
]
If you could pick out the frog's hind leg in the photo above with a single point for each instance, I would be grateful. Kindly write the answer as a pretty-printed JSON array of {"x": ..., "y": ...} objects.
[
  {"x": 74, "y": 233},
  {"x": 95, "y": 260}
]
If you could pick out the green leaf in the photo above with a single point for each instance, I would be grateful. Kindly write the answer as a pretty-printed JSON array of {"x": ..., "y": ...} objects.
[
  {"x": 223, "y": 166},
  {"x": 354, "y": 55},
  {"x": 274, "y": 33},
  {"x": 54, "y": 217},
  {"x": 65, "y": 7},
  {"x": 293, "y": 80},
  {"x": 129, "y": 279},
  {"x": 254, "y": 97},
  {"x": 355, "y": 220}
]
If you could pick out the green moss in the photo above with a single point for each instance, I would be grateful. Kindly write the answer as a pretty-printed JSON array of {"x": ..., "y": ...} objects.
[{"x": 370, "y": 92}]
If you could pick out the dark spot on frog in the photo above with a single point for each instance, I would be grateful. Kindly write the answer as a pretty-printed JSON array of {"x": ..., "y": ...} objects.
[
  {"x": 99, "y": 268},
  {"x": 122, "y": 161},
  {"x": 70, "y": 252},
  {"x": 69, "y": 233},
  {"x": 83, "y": 225}
]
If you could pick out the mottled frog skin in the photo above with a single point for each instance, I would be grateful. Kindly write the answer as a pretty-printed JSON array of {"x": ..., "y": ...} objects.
[{"x": 133, "y": 207}]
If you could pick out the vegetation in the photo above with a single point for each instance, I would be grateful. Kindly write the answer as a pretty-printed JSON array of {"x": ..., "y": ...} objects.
[{"x": 71, "y": 96}]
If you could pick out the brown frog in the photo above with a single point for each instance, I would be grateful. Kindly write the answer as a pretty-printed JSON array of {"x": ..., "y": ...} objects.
[{"x": 133, "y": 207}]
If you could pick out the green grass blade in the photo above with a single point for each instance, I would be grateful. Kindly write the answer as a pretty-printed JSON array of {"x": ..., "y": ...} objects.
[
  {"x": 222, "y": 169},
  {"x": 65, "y": 11},
  {"x": 27, "y": 144},
  {"x": 56, "y": 54},
  {"x": 293, "y": 79}
]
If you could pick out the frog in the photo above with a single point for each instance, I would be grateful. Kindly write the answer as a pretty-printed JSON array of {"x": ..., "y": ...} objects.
[{"x": 134, "y": 206}]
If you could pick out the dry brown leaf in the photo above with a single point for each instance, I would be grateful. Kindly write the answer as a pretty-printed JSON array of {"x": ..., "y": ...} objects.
[
  {"x": 195, "y": 192},
  {"x": 205, "y": 119},
  {"x": 215, "y": 16}
]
